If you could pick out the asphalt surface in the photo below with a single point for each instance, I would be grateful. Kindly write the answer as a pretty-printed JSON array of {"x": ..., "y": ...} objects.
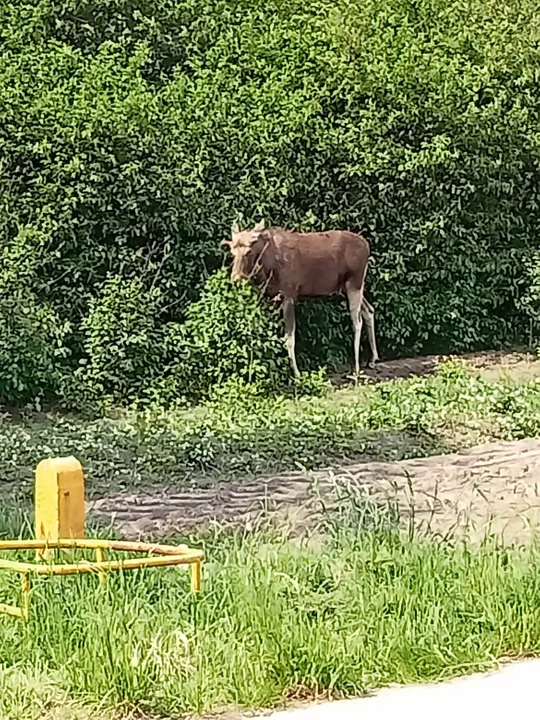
[{"x": 507, "y": 693}]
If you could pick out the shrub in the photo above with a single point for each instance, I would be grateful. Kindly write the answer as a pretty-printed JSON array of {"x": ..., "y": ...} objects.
[
  {"x": 131, "y": 136},
  {"x": 32, "y": 336},
  {"x": 123, "y": 340},
  {"x": 232, "y": 336},
  {"x": 532, "y": 300},
  {"x": 31, "y": 347}
]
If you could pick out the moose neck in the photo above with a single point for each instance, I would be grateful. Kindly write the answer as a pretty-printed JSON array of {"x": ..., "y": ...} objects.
[{"x": 265, "y": 267}]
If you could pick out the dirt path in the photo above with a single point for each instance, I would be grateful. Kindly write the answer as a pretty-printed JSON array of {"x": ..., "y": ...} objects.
[
  {"x": 491, "y": 363},
  {"x": 493, "y": 487}
]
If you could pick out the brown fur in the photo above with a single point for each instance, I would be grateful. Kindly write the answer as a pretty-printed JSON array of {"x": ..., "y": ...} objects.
[
  {"x": 300, "y": 265},
  {"x": 288, "y": 266}
]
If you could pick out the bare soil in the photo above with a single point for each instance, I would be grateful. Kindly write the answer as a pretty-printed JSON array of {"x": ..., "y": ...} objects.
[
  {"x": 489, "y": 489},
  {"x": 493, "y": 364},
  {"x": 492, "y": 488}
]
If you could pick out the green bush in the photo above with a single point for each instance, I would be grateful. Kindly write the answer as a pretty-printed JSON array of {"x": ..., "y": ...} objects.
[
  {"x": 31, "y": 347},
  {"x": 532, "y": 300},
  {"x": 32, "y": 336},
  {"x": 133, "y": 133},
  {"x": 231, "y": 336},
  {"x": 123, "y": 341}
]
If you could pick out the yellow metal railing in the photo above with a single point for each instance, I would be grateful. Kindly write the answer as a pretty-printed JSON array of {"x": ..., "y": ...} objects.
[{"x": 157, "y": 556}]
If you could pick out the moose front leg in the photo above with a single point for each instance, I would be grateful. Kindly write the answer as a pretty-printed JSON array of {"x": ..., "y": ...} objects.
[{"x": 289, "y": 315}]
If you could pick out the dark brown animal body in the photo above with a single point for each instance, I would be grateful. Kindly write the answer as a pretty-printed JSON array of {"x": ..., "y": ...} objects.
[
  {"x": 288, "y": 266},
  {"x": 298, "y": 265}
]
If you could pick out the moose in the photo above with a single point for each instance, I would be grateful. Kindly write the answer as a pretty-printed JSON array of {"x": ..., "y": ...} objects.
[{"x": 288, "y": 266}]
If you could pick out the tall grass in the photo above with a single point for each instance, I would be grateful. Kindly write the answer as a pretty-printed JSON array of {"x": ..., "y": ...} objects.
[{"x": 351, "y": 610}]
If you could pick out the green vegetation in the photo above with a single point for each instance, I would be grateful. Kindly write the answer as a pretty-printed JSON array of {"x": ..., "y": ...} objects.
[
  {"x": 532, "y": 300},
  {"x": 357, "y": 609},
  {"x": 133, "y": 133},
  {"x": 241, "y": 431}
]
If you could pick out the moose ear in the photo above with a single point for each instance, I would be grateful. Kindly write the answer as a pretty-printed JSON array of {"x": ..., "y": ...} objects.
[
  {"x": 228, "y": 243},
  {"x": 235, "y": 229},
  {"x": 259, "y": 227}
]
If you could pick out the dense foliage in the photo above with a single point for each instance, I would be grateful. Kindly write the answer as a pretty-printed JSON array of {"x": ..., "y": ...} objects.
[
  {"x": 531, "y": 300},
  {"x": 133, "y": 133}
]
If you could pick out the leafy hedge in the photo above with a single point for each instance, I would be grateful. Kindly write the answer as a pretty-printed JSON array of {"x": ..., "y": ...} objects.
[
  {"x": 132, "y": 133},
  {"x": 531, "y": 301}
]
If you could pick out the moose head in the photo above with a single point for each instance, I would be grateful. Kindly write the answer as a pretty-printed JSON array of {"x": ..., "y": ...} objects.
[{"x": 246, "y": 248}]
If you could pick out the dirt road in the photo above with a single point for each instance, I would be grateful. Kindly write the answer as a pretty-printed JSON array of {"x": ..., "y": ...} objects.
[{"x": 490, "y": 488}]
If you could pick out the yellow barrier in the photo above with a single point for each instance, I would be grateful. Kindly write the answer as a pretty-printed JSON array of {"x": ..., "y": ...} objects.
[
  {"x": 163, "y": 555},
  {"x": 60, "y": 523}
]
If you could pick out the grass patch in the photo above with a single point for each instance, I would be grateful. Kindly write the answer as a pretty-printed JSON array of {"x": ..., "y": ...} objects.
[
  {"x": 32, "y": 694},
  {"x": 357, "y": 609},
  {"x": 240, "y": 433}
]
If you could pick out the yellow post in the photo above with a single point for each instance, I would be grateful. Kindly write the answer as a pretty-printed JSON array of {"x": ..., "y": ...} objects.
[
  {"x": 195, "y": 572},
  {"x": 59, "y": 499},
  {"x": 25, "y": 591},
  {"x": 100, "y": 557}
]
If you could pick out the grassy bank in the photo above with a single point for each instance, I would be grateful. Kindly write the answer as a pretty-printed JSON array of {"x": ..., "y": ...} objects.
[
  {"x": 357, "y": 610},
  {"x": 240, "y": 433}
]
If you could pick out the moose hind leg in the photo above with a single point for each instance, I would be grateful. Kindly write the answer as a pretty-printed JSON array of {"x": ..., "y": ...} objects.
[
  {"x": 289, "y": 315},
  {"x": 355, "y": 297},
  {"x": 368, "y": 314}
]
